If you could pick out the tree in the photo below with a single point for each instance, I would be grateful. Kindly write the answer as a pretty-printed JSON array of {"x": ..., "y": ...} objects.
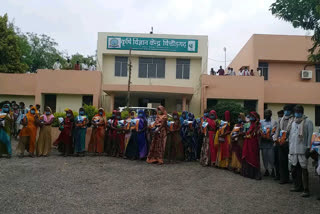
[
  {"x": 81, "y": 58},
  {"x": 10, "y": 53},
  {"x": 304, "y": 14},
  {"x": 232, "y": 106}
]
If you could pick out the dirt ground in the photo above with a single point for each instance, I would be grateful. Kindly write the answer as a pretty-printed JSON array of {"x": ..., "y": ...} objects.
[{"x": 110, "y": 185}]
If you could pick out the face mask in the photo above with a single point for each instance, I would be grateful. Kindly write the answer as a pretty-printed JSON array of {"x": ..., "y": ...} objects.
[
  {"x": 298, "y": 115},
  {"x": 252, "y": 119},
  {"x": 140, "y": 115},
  {"x": 81, "y": 112},
  {"x": 5, "y": 109},
  {"x": 48, "y": 113},
  {"x": 100, "y": 113},
  {"x": 113, "y": 115},
  {"x": 68, "y": 115},
  {"x": 33, "y": 111},
  {"x": 212, "y": 117},
  {"x": 287, "y": 113},
  {"x": 118, "y": 117},
  {"x": 206, "y": 114}
]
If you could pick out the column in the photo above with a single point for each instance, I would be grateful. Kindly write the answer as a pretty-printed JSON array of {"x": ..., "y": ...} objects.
[
  {"x": 111, "y": 102},
  {"x": 261, "y": 108},
  {"x": 184, "y": 103}
]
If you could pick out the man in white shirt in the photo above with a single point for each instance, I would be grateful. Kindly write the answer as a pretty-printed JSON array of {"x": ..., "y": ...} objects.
[
  {"x": 92, "y": 67},
  {"x": 232, "y": 73},
  {"x": 57, "y": 65},
  {"x": 241, "y": 72},
  {"x": 84, "y": 66},
  {"x": 246, "y": 72}
]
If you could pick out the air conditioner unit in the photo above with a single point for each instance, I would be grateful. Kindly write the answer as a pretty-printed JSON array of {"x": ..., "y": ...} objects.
[{"x": 306, "y": 74}]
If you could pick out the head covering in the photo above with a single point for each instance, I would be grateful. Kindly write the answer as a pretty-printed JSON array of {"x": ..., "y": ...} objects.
[
  {"x": 175, "y": 114},
  {"x": 161, "y": 117},
  {"x": 35, "y": 109},
  {"x": 190, "y": 116},
  {"x": 255, "y": 115},
  {"x": 103, "y": 113},
  {"x": 227, "y": 116},
  {"x": 143, "y": 114},
  {"x": 47, "y": 107},
  {"x": 118, "y": 113},
  {"x": 211, "y": 122}
]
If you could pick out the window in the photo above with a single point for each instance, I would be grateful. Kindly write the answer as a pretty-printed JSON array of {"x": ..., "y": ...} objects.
[
  {"x": 317, "y": 73},
  {"x": 88, "y": 100},
  {"x": 121, "y": 66},
  {"x": 183, "y": 69},
  {"x": 264, "y": 68},
  {"x": 151, "y": 67},
  {"x": 265, "y": 106},
  {"x": 250, "y": 105},
  {"x": 317, "y": 116},
  {"x": 51, "y": 101}
]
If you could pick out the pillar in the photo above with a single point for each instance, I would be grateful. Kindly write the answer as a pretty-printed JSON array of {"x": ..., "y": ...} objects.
[
  {"x": 261, "y": 108},
  {"x": 184, "y": 103},
  {"x": 111, "y": 102}
]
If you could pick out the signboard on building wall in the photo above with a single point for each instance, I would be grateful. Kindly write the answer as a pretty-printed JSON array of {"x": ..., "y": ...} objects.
[{"x": 152, "y": 44}]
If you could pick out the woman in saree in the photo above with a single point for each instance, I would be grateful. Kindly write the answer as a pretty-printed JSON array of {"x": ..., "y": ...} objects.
[
  {"x": 80, "y": 131},
  {"x": 174, "y": 146},
  {"x": 250, "y": 152},
  {"x": 117, "y": 137},
  {"x": 97, "y": 136},
  {"x": 64, "y": 141},
  {"x": 28, "y": 133},
  {"x": 6, "y": 122},
  {"x": 237, "y": 139},
  {"x": 142, "y": 127},
  {"x": 109, "y": 135},
  {"x": 158, "y": 144},
  {"x": 208, "y": 151},
  {"x": 131, "y": 145},
  {"x": 201, "y": 133},
  {"x": 44, "y": 140},
  {"x": 222, "y": 142}
]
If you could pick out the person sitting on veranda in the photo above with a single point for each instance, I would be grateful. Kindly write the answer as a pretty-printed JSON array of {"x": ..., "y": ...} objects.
[
  {"x": 221, "y": 71},
  {"x": 84, "y": 66},
  {"x": 68, "y": 65},
  {"x": 57, "y": 65}
]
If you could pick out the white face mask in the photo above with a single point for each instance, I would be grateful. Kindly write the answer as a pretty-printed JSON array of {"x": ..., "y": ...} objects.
[{"x": 247, "y": 119}]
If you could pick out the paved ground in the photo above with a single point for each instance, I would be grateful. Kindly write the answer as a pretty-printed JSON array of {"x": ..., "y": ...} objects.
[{"x": 110, "y": 185}]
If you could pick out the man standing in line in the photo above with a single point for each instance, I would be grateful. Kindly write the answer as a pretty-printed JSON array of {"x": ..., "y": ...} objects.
[
  {"x": 299, "y": 150},
  {"x": 276, "y": 148},
  {"x": 266, "y": 143}
]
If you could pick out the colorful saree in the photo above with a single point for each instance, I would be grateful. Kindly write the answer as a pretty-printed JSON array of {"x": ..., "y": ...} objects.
[{"x": 5, "y": 134}]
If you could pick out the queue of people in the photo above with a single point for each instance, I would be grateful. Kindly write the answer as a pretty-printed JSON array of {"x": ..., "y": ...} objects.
[{"x": 285, "y": 144}]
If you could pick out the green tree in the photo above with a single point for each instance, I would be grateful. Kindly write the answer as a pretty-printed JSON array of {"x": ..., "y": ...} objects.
[
  {"x": 10, "y": 53},
  {"x": 303, "y": 14},
  {"x": 81, "y": 58},
  {"x": 234, "y": 108}
]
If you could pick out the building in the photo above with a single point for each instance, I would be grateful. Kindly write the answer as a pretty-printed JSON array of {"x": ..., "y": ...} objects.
[
  {"x": 281, "y": 59},
  {"x": 166, "y": 70},
  {"x": 57, "y": 89}
]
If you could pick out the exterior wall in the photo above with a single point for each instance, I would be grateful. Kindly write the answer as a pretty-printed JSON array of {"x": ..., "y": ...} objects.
[
  {"x": 71, "y": 101},
  {"x": 309, "y": 110},
  {"x": 71, "y": 82},
  {"x": 28, "y": 100}
]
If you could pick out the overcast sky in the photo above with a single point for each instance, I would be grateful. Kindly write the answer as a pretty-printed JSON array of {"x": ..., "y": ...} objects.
[{"x": 74, "y": 23}]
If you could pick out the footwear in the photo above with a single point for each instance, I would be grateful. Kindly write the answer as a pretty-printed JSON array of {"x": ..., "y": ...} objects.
[
  {"x": 305, "y": 195},
  {"x": 266, "y": 174},
  {"x": 295, "y": 190}
]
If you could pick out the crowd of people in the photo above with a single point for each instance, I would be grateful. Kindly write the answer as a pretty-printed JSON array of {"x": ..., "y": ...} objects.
[
  {"x": 230, "y": 72},
  {"x": 285, "y": 144},
  {"x": 68, "y": 66}
]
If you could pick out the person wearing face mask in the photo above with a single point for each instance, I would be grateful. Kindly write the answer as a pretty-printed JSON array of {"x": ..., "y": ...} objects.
[
  {"x": 6, "y": 121},
  {"x": 188, "y": 138},
  {"x": 44, "y": 140},
  {"x": 28, "y": 133},
  {"x": 109, "y": 134},
  {"x": 268, "y": 127},
  {"x": 201, "y": 132},
  {"x": 131, "y": 141},
  {"x": 283, "y": 146},
  {"x": 300, "y": 136},
  {"x": 250, "y": 152},
  {"x": 157, "y": 147},
  {"x": 64, "y": 141},
  {"x": 174, "y": 146},
  {"x": 208, "y": 150},
  {"x": 97, "y": 134},
  {"x": 80, "y": 132},
  {"x": 118, "y": 132},
  {"x": 276, "y": 148},
  {"x": 141, "y": 127},
  {"x": 237, "y": 139}
]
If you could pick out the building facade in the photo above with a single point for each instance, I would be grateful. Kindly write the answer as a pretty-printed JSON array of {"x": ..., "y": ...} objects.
[
  {"x": 166, "y": 70},
  {"x": 281, "y": 59}
]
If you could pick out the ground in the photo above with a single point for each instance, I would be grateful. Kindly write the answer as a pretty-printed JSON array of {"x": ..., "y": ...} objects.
[{"x": 111, "y": 185}]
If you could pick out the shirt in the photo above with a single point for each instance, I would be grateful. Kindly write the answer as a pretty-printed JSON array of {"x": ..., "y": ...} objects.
[
  {"x": 77, "y": 67},
  {"x": 221, "y": 72},
  {"x": 92, "y": 68},
  {"x": 267, "y": 143},
  {"x": 84, "y": 66},
  {"x": 298, "y": 145},
  {"x": 56, "y": 66}
]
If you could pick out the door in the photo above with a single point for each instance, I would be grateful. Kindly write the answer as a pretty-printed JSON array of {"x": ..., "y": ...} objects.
[{"x": 51, "y": 101}]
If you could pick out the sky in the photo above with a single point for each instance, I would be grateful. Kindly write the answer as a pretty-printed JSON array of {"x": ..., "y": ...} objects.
[{"x": 74, "y": 24}]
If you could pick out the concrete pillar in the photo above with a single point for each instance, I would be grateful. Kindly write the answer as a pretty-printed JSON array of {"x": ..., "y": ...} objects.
[
  {"x": 261, "y": 108},
  {"x": 95, "y": 101},
  {"x": 111, "y": 102},
  {"x": 184, "y": 103}
]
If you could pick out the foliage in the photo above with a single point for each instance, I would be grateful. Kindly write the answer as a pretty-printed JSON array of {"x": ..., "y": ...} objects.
[
  {"x": 303, "y": 14},
  {"x": 10, "y": 53},
  {"x": 82, "y": 59},
  {"x": 124, "y": 114},
  {"x": 90, "y": 111},
  {"x": 234, "y": 108}
]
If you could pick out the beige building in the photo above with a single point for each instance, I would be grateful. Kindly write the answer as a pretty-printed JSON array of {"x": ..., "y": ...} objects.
[
  {"x": 166, "y": 69},
  {"x": 288, "y": 77}
]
